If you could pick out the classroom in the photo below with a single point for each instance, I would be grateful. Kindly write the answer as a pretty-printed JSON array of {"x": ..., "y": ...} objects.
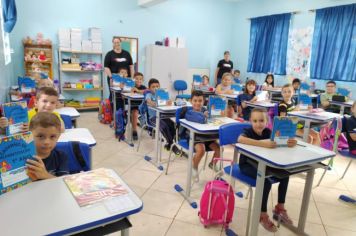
[{"x": 178, "y": 117}]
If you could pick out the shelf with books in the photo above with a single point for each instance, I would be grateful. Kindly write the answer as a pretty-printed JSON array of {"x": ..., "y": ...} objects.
[
  {"x": 82, "y": 89},
  {"x": 79, "y": 52},
  {"x": 80, "y": 71},
  {"x": 38, "y": 58}
]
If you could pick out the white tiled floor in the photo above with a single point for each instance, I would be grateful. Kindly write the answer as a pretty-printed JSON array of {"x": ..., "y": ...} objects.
[{"x": 165, "y": 212}]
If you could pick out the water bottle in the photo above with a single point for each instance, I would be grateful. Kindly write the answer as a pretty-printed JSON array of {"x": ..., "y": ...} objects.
[{"x": 56, "y": 84}]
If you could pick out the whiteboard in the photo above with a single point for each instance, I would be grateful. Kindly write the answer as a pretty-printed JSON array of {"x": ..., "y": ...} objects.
[{"x": 195, "y": 71}]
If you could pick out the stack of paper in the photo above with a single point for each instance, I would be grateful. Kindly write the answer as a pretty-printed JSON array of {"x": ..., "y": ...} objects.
[
  {"x": 64, "y": 39},
  {"x": 86, "y": 45},
  {"x": 76, "y": 39},
  {"x": 95, "y": 37}
]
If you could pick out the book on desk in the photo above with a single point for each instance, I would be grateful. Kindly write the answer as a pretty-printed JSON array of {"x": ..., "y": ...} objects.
[
  {"x": 16, "y": 114},
  {"x": 216, "y": 106},
  {"x": 283, "y": 129},
  {"x": 162, "y": 97},
  {"x": 14, "y": 152}
]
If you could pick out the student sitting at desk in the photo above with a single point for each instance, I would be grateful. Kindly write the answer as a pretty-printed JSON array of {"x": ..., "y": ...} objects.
[
  {"x": 326, "y": 97},
  {"x": 225, "y": 88},
  {"x": 248, "y": 95},
  {"x": 259, "y": 135},
  {"x": 296, "y": 85},
  {"x": 287, "y": 105},
  {"x": 139, "y": 88},
  {"x": 349, "y": 127},
  {"x": 46, "y": 101},
  {"x": 166, "y": 126},
  {"x": 199, "y": 112},
  {"x": 48, "y": 163},
  {"x": 237, "y": 79},
  {"x": 269, "y": 82}
]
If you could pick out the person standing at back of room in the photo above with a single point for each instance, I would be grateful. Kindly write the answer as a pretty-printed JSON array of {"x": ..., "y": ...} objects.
[
  {"x": 224, "y": 66},
  {"x": 116, "y": 59}
]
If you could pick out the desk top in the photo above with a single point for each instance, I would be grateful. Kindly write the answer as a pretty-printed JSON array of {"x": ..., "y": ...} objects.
[
  {"x": 133, "y": 95},
  {"x": 209, "y": 127},
  {"x": 69, "y": 111},
  {"x": 347, "y": 104},
  {"x": 163, "y": 109},
  {"x": 231, "y": 96},
  {"x": 285, "y": 157},
  {"x": 315, "y": 116},
  {"x": 263, "y": 104},
  {"x": 48, "y": 207},
  {"x": 82, "y": 135}
]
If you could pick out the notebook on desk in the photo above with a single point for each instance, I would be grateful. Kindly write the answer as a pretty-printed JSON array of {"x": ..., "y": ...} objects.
[{"x": 338, "y": 98}]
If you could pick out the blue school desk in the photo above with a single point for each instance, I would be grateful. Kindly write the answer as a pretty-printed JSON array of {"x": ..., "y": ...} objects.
[
  {"x": 48, "y": 207},
  {"x": 309, "y": 117},
  {"x": 283, "y": 158},
  {"x": 196, "y": 128},
  {"x": 342, "y": 105},
  {"x": 114, "y": 91},
  {"x": 69, "y": 111},
  {"x": 131, "y": 97},
  {"x": 261, "y": 104}
]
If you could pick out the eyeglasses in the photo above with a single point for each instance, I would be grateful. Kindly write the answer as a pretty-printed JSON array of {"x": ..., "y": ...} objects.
[{"x": 330, "y": 86}]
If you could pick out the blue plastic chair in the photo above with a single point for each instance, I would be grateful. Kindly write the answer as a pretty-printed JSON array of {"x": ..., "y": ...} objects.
[
  {"x": 181, "y": 86},
  {"x": 348, "y": 154},
  {"x": 76, "y": 163},
  {"x": 67, "y": 120}
]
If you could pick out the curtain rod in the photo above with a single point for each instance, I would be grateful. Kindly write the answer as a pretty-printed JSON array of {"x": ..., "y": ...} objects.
[{"x": 293, "y": 13}]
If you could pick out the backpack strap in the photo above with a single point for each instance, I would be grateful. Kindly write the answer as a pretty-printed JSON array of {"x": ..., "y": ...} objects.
[{"x": 78, "y": 154}]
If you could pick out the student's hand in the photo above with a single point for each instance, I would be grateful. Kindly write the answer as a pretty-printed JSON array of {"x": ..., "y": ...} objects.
[
  {"x": 169, "y": 103},
  {"x": 111, "y": 83},
  {"x": 243, "y": 104},
  {"x": 291, "y": 142},
  {"x": 310, "y": 108},
  {"x": 134, "y": 90},
  {"x": 36, "y": 169},
  {"x": 122, "y": 85},
  {"x": 268, "y": 143},
  {"x": 3, "y": 122},
  {"x": 206, "y": 113},
  {"x": 25, "y": 127}
]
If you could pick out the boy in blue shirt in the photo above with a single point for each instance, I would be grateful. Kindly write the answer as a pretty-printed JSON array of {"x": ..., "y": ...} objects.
[
  {"x": 166, "y": 126},
  {"x": 49, "y": 162},
  {"x": 199, "y": 112}
]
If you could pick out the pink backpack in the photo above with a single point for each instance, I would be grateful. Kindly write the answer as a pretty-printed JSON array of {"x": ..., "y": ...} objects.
[
  {"x": 331, "y": 132},
  {"x": 217, "y": 203}
]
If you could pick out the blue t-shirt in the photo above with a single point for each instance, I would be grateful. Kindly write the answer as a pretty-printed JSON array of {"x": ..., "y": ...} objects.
[
  {"x": 249, "y": 133},
  {"x": 57, "y": 163},
  {"x": 151, "y": 112},
  {"x": 247, "y": 110}
]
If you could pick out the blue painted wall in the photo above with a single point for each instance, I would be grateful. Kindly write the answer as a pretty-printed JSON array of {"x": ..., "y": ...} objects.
[
  {"x": 206, "y": 25},
  {"x": 255, "y": 8}
]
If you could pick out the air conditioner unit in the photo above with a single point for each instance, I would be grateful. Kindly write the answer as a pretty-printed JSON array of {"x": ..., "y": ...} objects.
[{"x": 148, "y": 3}]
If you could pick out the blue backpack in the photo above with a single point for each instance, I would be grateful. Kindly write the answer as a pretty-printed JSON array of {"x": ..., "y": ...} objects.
[{"x": 120, "y": 124}]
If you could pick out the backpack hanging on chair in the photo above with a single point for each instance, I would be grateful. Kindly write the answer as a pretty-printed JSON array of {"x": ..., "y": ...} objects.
[
  {"x": 331, "y": 137},
  {"x": 120, "y": 124}
]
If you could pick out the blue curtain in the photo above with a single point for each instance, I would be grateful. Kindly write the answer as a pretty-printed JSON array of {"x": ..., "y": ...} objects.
[
  {"x": 10, "y": 14},
  {"x": 333, "y": 55},
  {"x": 268, "y": 44}
]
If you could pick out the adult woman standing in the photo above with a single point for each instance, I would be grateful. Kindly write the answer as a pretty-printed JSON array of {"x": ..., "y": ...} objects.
[
  {"x": 224, "y": 66},
  {"x": 117, "y": 59}
]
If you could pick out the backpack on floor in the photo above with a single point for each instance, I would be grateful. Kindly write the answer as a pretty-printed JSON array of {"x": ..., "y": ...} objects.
[
  {"x": 105, "y": 112},
  {"x": 331, "y": 137},
  {"x": 120, "y": 124},
  {"x": 217, "y": 203}
]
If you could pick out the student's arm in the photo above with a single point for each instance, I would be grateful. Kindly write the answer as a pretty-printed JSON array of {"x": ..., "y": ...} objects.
[
  {"x": 267, "y": 143},
  {"x": 169, "y": 103},
  {"x": 291, "y": 142},
  {"x": 37, "y": 169},
  {"x": 149, "y": 101},
  {"x": 218, "y": 89}
]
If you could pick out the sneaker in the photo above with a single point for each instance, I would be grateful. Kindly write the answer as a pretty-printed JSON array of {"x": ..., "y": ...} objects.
[
  {"x": 176, "y": 150},
  {"x": 268, "y": 224},
  {"x": 195, "y": 175},
  {"x": 281, "y": 216},
  {"x": 167, "y": 147},
  {"x": 134, "y": 135},
  {"x": 215, "y": 167}
]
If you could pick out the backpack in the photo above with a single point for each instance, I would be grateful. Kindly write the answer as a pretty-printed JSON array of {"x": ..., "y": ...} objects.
[
  {"x": 105, "y": 112},
  {"x": 331, "y": 137},
  {"x": 217, "y": 203},
  {"x": 120, "y": 126}
]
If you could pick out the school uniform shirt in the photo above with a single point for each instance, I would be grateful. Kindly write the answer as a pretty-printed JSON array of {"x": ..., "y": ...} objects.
[
  {"x": 151, "y": 112},
  {"x": 137, "y": 103},
  {"x": 328, "y": 97},
  {"x": 249, "y": 133},
  {"x": 57, "y": 163},
  {"x": 348, "y": 127},
  {"x": 286, "y": 107},
  {"x": 267, "y": 85},
  {"x": 247, "y": 110},
  {"x": 141, "y": 87},
  {"x": 114, "y": 61},
  {"x": 31, "y": 113},
  {"x": 224, "y": 67}
]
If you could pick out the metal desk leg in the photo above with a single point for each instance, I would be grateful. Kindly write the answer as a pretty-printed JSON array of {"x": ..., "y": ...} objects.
[
  {"x": 114, "y": 105},
  {"x": 129, "y": 124},
  {"x": 305, "y": 202},
  {"x": 306, "y": 130},
  {"x": 125, "y": 232},
  {"x": 260, "y": 182}
]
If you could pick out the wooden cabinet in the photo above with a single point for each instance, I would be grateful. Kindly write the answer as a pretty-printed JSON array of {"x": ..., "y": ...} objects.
[
  {"x": 166, "y": 64},
  {"x": 38, "y": 58}
]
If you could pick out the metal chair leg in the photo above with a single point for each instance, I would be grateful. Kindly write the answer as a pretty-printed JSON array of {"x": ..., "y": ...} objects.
[
  {"x": 248, "y": 193},
  {"x": 139, "y": 140},
  {"x": 249, "y": 211},
  {"x": 169, "y": 159},
  {"x": 348, "y": 165}
]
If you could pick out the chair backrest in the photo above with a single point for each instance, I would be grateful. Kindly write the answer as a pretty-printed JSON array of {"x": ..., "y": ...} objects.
[
  {"x": 67, "y": 120},
  {"x": 79, "y": 158},
  {"x": 229, "y": 133},
  {"x": 180, "y": 85}
]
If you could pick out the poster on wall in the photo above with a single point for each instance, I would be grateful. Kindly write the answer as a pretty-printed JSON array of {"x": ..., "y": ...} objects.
[{"x": 298, "y": 52}]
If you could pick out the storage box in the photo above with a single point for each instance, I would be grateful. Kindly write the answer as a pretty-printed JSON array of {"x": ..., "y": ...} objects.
[
  {"x": 96, "y": 47},
  {"x": 95, "y": 34}
]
